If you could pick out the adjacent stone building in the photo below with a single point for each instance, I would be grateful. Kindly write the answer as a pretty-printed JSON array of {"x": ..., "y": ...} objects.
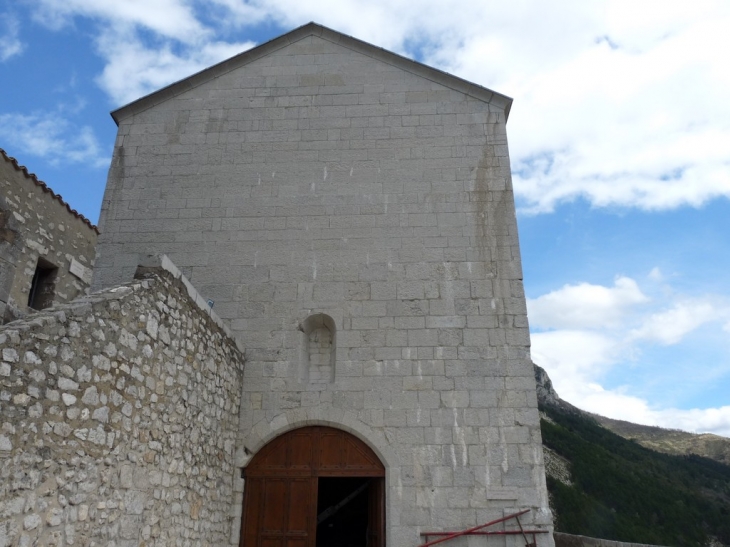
[
  {"x": 119, "y": 419},
  {"x": 349, "y": 213},
  {"x": 46, "y": 248}
]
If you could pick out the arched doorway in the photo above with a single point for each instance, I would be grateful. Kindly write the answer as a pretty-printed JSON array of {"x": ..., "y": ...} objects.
[{"x": 314, "y": 487}]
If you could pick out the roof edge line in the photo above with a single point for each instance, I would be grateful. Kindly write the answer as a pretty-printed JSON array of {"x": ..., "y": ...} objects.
[
  {"x": 46, "y": 189},
  {"x": 171, "y": 90},
  {"x": 360, "y": 46},
  {"x": 466, "y": 87}
]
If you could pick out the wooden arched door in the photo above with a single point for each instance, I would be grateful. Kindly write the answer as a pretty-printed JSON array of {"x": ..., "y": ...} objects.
[{"x": 290, "y": 477}]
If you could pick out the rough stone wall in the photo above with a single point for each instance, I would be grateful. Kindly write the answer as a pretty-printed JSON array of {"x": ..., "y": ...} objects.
[
  {"x": 118, "y": 417},
  {"x": 325, "y": 177},
  {"x": 35, "y": 223}
]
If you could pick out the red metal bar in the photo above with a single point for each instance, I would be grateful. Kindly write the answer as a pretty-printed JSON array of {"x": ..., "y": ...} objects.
[
  {"x": 474, "y": 529},
  {"x": 495, "y": 533},
  {"x": 533, "y": 544}
]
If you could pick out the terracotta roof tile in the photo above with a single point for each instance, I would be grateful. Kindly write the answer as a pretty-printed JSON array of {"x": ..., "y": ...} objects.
[{"x": 47, "y": 189}]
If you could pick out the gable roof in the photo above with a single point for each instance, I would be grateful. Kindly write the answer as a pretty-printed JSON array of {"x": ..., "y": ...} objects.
[
  {"x": 46, "y": 189},
  {"x": 313, "y": 29}
]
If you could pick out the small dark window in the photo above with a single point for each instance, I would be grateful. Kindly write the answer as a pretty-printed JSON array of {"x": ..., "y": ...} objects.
[{"x": 41, "y": 289}]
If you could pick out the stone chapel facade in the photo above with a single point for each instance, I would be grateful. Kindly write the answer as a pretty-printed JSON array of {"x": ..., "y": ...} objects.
[{"x": 350, "y": 214}]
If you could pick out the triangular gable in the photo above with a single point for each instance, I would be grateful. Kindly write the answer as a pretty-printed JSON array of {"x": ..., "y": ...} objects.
[{"x": 314, "y": 29}]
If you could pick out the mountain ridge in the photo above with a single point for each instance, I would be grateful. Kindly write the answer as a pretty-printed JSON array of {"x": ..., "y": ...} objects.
[
  {"x": 603, "y": 485},
  {"x": 667, "y": 441}
]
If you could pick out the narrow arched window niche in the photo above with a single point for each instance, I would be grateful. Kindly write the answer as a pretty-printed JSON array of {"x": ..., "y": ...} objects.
[{"x": 318, "y": 342}]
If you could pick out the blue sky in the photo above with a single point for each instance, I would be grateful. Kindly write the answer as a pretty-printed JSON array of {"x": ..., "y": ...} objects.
[{"x": 619, "y": 139}]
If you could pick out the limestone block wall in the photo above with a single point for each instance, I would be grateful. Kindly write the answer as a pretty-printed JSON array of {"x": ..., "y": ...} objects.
[
  {"x": 35, "y": 223},
  {"x": 320, "y": 177},
  {"x": 118, "y": 419}
]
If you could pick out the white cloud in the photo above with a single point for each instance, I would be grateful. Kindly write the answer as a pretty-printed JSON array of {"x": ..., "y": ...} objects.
[
  {"x": 670, "y": 326},
  {"x": 50, "y": 136},
  {"x": 585, "y": 305},
  {"x": 639, "y": 124},
  {"x": 168, "y": 18},
  {"x": 616, "y": 104},
  {"x": 389, "y": 24},
  {"x": 656, "y": 274},
  {"x": 574, "y": 352},
  {"x": 10, "y": 44},
  {"x": 618, "y": 405},
  {"x": 700, "y": 420},
  {"x": 575, "y": 359},
  {"x": 146, "y": 44},
  {"x": 596, "y": 333},
  {"x": 135, "y": 69},
  {"x": 241, "y": 13}
]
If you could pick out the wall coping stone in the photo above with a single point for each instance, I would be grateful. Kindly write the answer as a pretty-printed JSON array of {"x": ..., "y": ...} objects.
[
  {"x": 150, "y": 263},
  {"x": 148, "y": 266}
]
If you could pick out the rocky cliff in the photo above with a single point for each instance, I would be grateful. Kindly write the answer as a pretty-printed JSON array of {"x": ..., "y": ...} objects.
[
  {"x": 603, "y": 485},
  {"x": 668, "y": 441}
]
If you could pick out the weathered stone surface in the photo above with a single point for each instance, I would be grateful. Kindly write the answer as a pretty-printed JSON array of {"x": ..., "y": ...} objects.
[
  {"x": 89, "y": 453},
  {"x": 35, "y": 225},
  {"x": 67, "y": 383},
  {"x": 91, "y": 396},
  {"x": 5, "y": 444},
  {"x": 319, "y": 177},
  {"x": 10, "y": 355}
]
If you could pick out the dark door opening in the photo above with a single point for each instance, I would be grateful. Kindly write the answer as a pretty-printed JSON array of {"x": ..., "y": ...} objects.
[
  {"x": 314, "y": 487},
  {"x": 342, "y": 512},
  {"x": 42, "y": 286}
]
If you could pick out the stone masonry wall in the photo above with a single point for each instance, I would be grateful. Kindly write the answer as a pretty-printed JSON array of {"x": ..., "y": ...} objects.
[
  {"x": 318, "y": 175},
  {"x": 118, "y": 417},
  {"x": 35, "y": 223}
]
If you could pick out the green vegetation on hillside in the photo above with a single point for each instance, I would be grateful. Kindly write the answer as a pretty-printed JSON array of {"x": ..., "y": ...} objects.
[
  {"x": 626, "y": 492},
  {"x": 671, "y": 441}
]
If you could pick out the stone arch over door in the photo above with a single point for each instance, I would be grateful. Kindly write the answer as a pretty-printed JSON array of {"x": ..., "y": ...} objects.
[{"x": 281, "y": 488}]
